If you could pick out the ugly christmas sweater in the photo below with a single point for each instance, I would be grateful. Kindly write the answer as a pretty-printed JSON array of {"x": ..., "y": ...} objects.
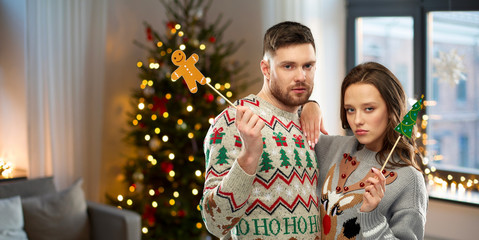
[
  {"x": 279, "y": 201},
  {"x": 401, "y": 214}
]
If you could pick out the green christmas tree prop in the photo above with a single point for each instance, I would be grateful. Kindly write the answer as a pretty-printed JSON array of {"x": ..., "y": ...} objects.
[
  {"x": 406, "y": 126},
  {"x": 409, "y": 120},
  {"x": 168, "y": 124}
]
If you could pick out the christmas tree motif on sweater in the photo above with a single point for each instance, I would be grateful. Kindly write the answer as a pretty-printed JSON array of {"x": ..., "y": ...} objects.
[
  {"x": 217, "y": 136},
  {"x": 222, "y": 157},
  {"x": 207, "y": 157},
  {"x": 408, "y": 122},
  {"x": 297, "y": 158},
  {"x": 284, "y": 159},
  {"x": 265, "y": 162},
  {"x": 264, "y": 142},
  {"x": 298, "y": 141},
  {"x": 309, "y": 160},
  {"x": 280, "y": 140}
]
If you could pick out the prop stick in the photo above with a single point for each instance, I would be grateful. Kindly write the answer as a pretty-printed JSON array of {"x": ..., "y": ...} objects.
[
  {"x": 221, "y": 95},
  {"x": 189, "y": 72},
  {"x": 406, "y": 126},
  {"x": 390, "y": 153}
]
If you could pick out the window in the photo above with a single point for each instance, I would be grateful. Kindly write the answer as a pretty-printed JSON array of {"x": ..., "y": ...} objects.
[
  {"x": 432, "y": 46},
  {"x": 387, "y": 40}
]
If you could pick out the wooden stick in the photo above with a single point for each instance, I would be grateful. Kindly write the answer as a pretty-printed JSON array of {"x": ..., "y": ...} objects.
[
  {"x": 214, "y": 89},
  {"x": 392, "y": 150}
]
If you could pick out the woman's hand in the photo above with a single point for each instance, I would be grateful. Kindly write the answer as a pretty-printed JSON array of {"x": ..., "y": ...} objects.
[
  {"x": 311, "y": 120},
  {"x": 374, "y": 191}
]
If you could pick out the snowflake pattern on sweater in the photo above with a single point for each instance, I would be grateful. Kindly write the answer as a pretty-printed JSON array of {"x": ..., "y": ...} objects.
[{"x": 280, "y": 200}]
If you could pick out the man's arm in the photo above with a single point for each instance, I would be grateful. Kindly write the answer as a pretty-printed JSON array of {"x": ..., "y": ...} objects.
[{"x": 232, "y": 153}]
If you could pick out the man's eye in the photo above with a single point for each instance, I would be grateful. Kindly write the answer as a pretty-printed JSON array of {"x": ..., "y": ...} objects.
[
  {"x": 288, "y": 66},
  {"x": 308, "y": 66}
]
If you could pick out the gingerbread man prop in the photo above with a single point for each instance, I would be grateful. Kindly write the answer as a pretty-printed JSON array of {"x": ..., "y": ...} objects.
[{"x": 187, "y": 70}]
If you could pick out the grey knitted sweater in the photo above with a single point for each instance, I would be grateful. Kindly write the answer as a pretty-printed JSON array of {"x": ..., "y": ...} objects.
[
  {"x": 279, "y": 201},
  {"x": 343, "y": 169}
]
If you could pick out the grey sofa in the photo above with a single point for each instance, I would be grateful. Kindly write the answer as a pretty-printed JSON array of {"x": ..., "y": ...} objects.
[{"x": 104, "y": 222}]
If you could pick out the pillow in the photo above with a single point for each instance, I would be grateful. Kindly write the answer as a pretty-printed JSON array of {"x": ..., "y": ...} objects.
[
  {"x": 59, "y": 216},
  {"x": 11, "y": 222}
]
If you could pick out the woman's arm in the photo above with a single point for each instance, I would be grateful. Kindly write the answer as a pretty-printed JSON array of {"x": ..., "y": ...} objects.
[{"x": 311, "y": 120}]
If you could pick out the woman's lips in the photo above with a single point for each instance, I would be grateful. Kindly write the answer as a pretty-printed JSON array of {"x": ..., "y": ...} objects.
[{"x": 361, "y": 132}]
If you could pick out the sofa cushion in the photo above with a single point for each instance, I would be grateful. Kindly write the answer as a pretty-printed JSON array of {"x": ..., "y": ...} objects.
[
  {"x": 27, "y": 188},
  {"x": 59, "y": 216},
  {"x": 11, "y": 220}
]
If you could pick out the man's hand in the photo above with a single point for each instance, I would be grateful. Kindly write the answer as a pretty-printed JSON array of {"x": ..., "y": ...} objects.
[
  {"x": 311, "y": 120},
  {"x": 249, "y": 126},
  {"x": 374, "y": 191}
]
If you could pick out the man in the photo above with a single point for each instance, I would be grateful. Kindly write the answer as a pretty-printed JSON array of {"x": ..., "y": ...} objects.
[{"x": 261, "y": 173}]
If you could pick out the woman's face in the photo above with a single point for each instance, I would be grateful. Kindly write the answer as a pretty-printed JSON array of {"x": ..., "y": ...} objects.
[{"x": 367, "y": 114}]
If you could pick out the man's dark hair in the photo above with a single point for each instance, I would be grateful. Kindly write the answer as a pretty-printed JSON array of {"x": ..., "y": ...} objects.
[{"x": 285, "y": 34}]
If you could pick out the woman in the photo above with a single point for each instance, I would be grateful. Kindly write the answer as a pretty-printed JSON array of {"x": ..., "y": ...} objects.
[{"x": 357, "y": 200}]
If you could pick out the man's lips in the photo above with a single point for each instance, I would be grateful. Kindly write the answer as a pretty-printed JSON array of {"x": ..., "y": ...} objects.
[{"x": 299, "y": 90}]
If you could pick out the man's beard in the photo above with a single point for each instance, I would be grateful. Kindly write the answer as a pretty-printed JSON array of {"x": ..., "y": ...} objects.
[{"x": 282, "y": 95}]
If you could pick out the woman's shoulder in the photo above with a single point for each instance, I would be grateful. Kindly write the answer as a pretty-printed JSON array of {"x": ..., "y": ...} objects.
[{"x": 336, "y": 140}]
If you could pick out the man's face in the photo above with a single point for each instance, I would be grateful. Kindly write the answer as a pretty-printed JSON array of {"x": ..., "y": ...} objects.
[{"x": 290, "y": 75}]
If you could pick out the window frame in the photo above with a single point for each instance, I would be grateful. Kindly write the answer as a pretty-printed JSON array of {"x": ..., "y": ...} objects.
[{"x": 418, "y": 10}]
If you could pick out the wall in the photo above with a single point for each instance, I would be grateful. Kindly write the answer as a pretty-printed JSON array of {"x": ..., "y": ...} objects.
[
  {"x": 451, "y": 221},
  {"x": 13, "y": 113}
]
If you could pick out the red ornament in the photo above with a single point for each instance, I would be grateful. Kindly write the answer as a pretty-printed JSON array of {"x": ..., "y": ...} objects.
[
  {"x": 181, "y": 213},
  {"x": 159, "y": 104},
  {"x": 170, "y": 25},
  {"x": 212, "y": 39},
  {"x": 166, "y": 167},
  {"x": 149, "y": 215},
  {"x": 209, "y": 97},
  {"x": 149, "y": 34}
]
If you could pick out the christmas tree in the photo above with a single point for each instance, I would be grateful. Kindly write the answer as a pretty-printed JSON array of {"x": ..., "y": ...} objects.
[
  {"x": 284, "y": 159},
  {"x": 265, "y": 162},
  {"x": 168, "y": 123}
]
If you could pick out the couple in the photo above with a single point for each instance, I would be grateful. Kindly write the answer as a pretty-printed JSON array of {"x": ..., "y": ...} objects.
[{"x": 264, "y": 179}]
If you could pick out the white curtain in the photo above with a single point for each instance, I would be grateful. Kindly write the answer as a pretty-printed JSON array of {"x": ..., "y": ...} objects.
[{"x": 65, "y": 73}]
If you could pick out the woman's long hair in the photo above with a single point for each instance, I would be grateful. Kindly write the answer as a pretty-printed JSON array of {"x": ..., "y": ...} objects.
[{"x": 393, "y": 94}]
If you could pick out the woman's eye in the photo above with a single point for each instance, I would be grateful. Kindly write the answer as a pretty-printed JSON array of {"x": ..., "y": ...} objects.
[
  {"x": 349, "y": 110},
  {"x": 369, "y": 109}
]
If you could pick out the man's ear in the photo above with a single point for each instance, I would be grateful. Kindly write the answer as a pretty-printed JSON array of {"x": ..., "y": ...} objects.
[{"x": 265, "y": 68}]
